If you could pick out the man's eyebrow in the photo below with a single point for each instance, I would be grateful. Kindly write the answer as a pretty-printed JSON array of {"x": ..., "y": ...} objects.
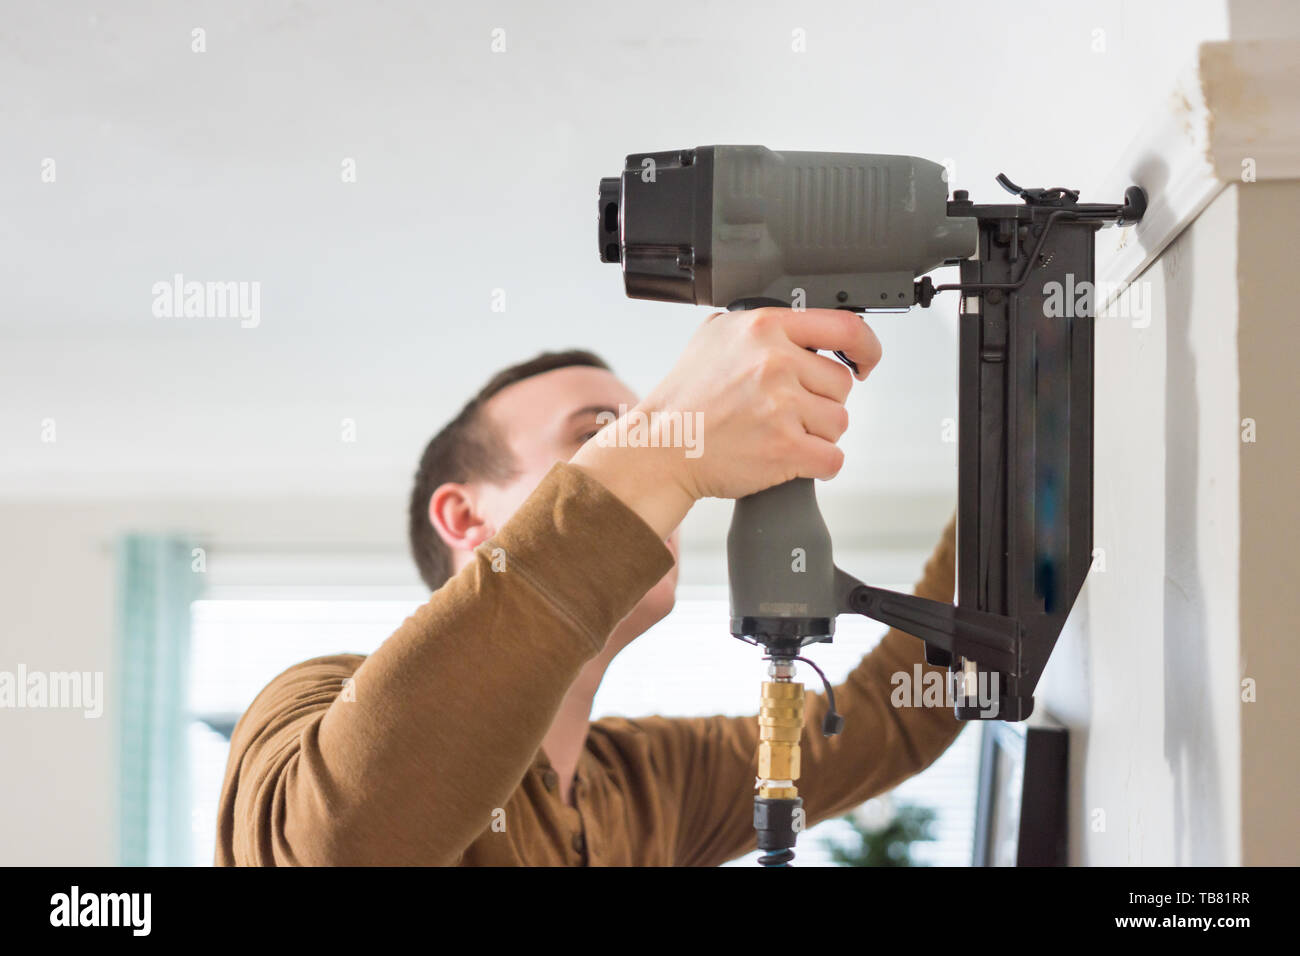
[{"x": 592, "y": 410}]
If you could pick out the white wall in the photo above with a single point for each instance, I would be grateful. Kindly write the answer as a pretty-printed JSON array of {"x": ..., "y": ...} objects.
[
  {"x": 1145, "y": 674},
  {"x": 1174, "y": 673},
  {"x": 58, "y": 590}
]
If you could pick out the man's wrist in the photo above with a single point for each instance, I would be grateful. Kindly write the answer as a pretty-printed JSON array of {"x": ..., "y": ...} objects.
[{"x": 642, "y": 478}]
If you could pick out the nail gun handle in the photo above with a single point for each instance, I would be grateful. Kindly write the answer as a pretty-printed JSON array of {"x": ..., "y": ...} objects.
[{"x": 780, "y": 568}]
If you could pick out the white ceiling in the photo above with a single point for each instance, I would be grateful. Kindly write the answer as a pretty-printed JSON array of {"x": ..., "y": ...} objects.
[{"x": 476, "y": 171}]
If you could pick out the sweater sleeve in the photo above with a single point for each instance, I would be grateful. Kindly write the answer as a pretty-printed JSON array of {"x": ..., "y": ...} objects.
[
  {"x": 708, "y": 765},
  {"x": 401, "y": 757}
]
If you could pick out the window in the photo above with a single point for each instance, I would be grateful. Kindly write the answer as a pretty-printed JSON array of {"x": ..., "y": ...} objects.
[
  {"x": 238, "y": 646},
  {"x": 687, "y": 665}
]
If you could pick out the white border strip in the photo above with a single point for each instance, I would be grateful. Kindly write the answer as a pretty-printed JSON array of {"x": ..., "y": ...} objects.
[
  {"x": 1238, "y": 100},
  {"x": 1170, "y": 161}
]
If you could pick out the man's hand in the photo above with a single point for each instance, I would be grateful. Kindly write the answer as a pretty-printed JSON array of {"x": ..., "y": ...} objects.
[{"x": 770, "y": 411}]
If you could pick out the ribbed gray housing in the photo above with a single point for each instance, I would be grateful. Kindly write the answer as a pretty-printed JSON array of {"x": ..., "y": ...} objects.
[{"x": 849, "y": 229}]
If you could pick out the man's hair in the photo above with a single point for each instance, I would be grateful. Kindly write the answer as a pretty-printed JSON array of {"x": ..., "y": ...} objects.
[{"x": 471, "y": 448}]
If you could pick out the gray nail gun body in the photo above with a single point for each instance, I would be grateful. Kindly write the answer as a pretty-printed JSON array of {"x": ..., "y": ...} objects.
[{"x": 824, "y": 230}]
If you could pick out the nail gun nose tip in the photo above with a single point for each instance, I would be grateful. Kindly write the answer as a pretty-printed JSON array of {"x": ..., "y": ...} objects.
[{"x": 1135, "y": 205}]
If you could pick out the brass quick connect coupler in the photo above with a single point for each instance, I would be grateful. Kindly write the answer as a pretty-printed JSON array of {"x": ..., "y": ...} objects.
[
  {"x": 780, "y": 725},
  {"x": 777, "y": 808}
]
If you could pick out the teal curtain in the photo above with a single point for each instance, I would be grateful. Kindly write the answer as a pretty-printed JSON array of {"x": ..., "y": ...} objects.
[{"x": 157, "y": 581}]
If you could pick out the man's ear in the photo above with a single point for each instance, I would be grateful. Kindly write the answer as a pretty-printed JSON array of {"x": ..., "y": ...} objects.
[{"x": 454, "y": 514}]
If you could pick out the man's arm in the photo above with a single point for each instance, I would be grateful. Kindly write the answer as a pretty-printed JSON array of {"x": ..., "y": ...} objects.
[
  {"x": 708, "y": 764},
  {"x": 442, "y": 721}
]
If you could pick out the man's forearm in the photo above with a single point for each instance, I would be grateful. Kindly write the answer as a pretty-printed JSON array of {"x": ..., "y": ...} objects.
[
  {"x": 644, "y": 479},
  {"x": 442, "y": 721}
]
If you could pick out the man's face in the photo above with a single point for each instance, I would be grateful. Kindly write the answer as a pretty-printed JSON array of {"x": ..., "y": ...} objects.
[{"x": 545, "y": 419}]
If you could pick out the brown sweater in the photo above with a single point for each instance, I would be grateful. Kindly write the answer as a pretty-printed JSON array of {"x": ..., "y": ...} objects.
[{"x": 431, "y": 753}]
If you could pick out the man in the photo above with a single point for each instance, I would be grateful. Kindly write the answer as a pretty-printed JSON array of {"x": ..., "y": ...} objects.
[{"x": 465, "y": 738}]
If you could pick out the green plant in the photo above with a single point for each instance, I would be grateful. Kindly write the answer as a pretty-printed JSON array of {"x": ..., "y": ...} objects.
[{"x": 887, "y": 845}]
